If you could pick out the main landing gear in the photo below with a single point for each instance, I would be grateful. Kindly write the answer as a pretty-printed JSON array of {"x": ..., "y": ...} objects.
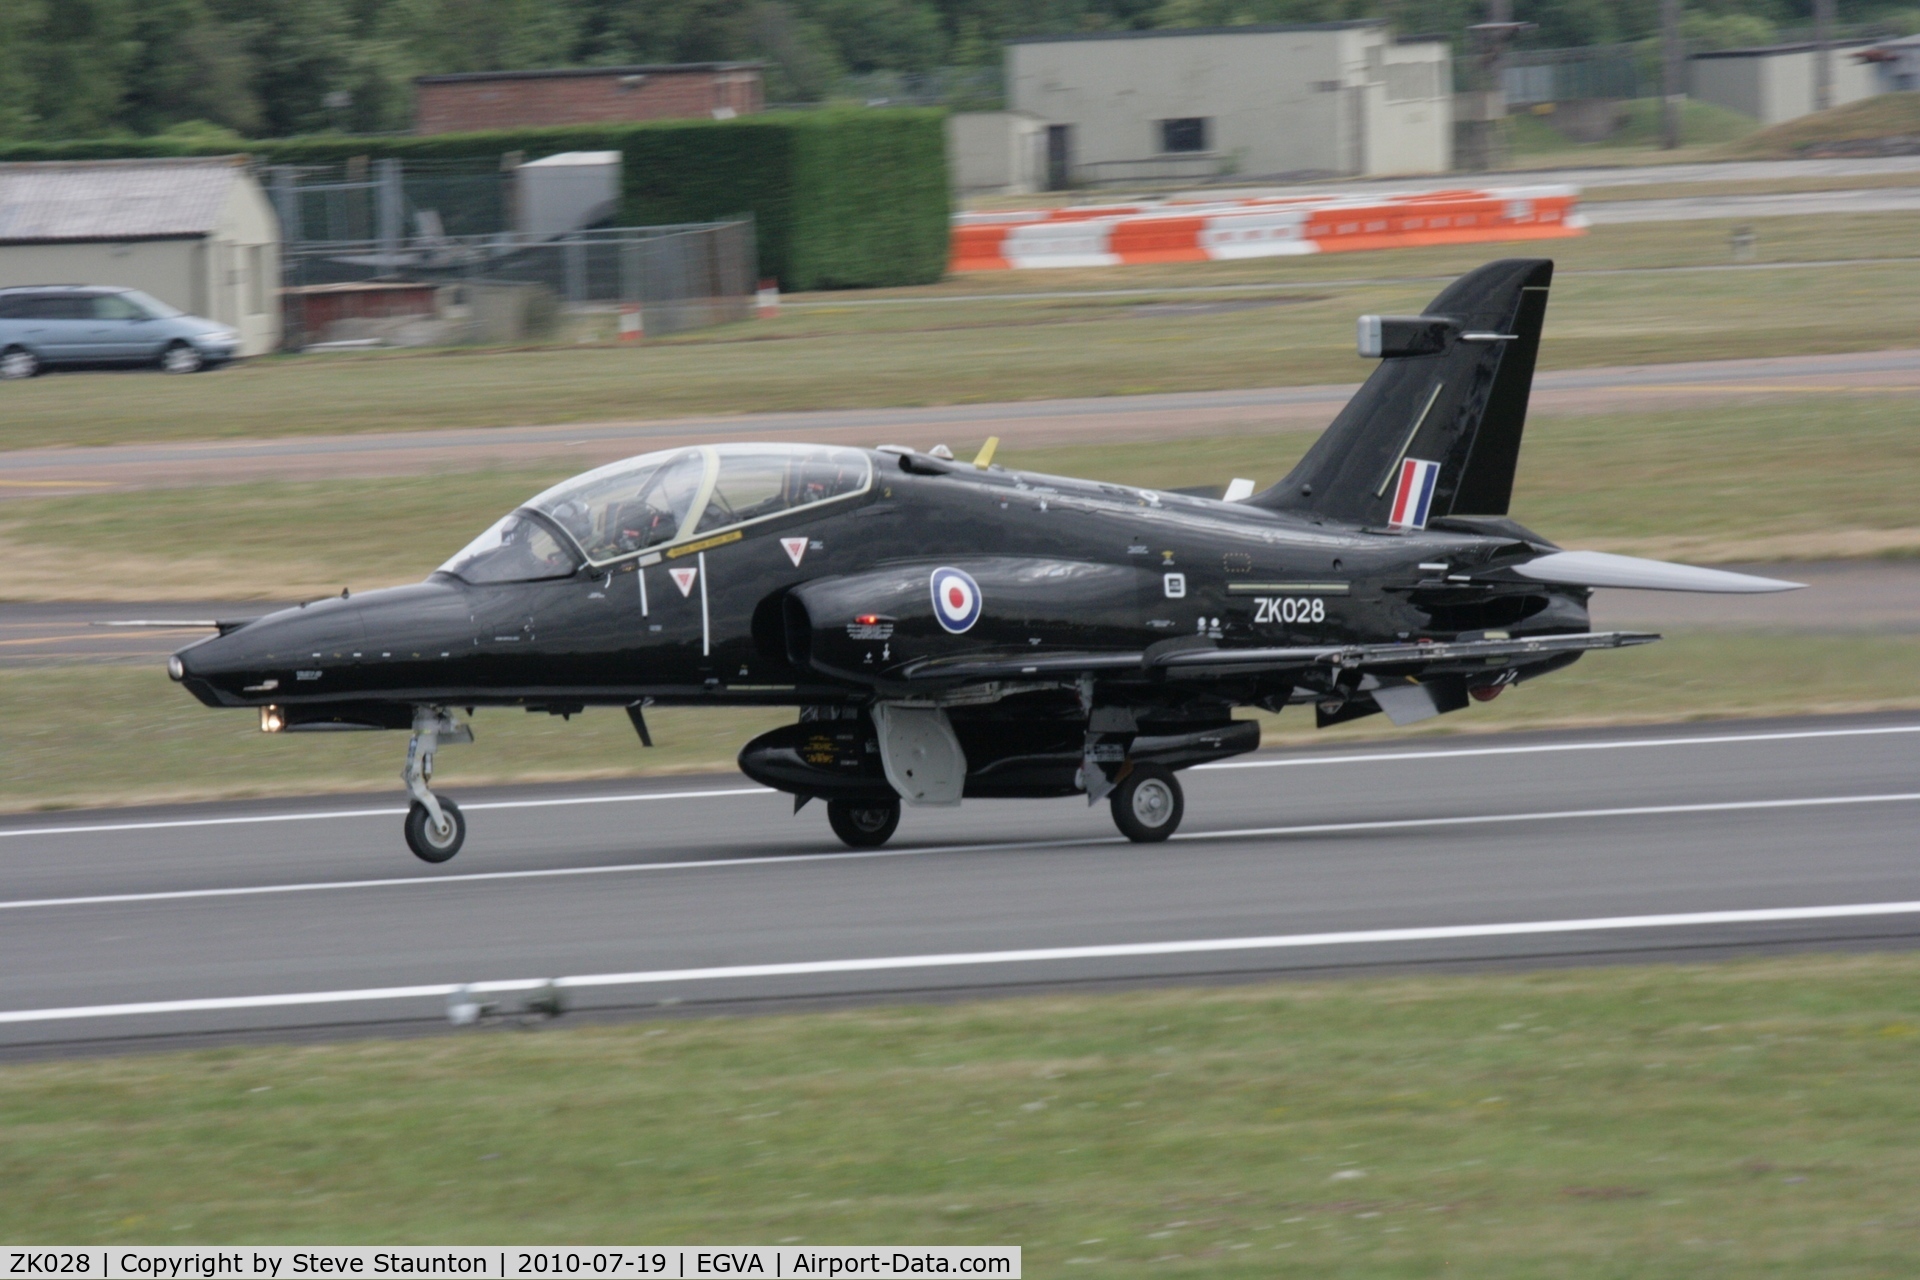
[
  {"x": 864, "y": 824},
  {"x": 1147, "y": 804},
  {"x": 435, "y": 827}
]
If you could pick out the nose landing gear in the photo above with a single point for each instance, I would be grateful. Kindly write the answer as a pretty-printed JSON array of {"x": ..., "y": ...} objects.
[{"x": 435, "y": 827}]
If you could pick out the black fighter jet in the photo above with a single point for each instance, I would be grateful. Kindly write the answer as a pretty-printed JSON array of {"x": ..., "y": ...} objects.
[{"x": 951, "y": 630}]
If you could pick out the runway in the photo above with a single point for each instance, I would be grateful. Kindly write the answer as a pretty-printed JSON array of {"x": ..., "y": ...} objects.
[
  {"x": 40, "y": 473},
  {"x": 284, "y": 919}
]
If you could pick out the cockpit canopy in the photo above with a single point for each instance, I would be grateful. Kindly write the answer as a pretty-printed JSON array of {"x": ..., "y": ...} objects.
[{"x": 626, "y": 507}]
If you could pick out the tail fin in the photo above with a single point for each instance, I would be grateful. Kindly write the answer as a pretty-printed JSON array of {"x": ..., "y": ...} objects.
[{"x": 1436, "y": 430}]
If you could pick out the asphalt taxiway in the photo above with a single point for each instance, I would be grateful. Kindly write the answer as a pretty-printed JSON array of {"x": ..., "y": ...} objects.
[
  {"x": 286, "y": 918},
  {"x": 50, "y": 472}
]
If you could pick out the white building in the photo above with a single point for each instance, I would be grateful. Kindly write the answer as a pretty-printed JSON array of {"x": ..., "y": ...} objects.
[
  {"x": 1775, "y": 84},
  {"x": 1001, "y": 152},
  {"x": 197, "y": 233},
  {"x": 1325, "y": 98}
]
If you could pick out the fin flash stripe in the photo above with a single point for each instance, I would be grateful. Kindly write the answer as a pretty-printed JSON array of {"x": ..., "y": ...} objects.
[{"x": 1414, "y": 497}]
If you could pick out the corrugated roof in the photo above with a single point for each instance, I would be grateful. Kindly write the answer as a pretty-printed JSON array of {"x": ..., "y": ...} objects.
[{"x": 114, "y": 199}]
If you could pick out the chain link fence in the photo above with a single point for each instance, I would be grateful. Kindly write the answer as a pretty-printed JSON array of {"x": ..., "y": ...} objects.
[{"x": 597, "y": 285}]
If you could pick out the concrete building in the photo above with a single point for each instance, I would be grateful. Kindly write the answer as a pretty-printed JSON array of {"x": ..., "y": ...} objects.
[
  {"x": 1324, "y": 98},
  {"x": 196, "y": 233},
  {"x": 1775, "y": 84},
  {"x": 590, "y": 95},
  {"x": 996, "y": 152}
]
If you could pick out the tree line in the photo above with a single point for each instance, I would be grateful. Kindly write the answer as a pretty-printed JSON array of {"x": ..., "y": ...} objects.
[{"x": 274, "y": 68}]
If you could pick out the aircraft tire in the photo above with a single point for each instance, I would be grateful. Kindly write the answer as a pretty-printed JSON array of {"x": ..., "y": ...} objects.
[
  {"x": 1148, "y": 804},
  {"x": 863, "y": 824},
  {"x": 429, "y": 845}
]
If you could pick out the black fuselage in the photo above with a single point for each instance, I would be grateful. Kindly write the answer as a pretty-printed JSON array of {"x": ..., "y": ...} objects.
[{"x": 1063, "y": 565}]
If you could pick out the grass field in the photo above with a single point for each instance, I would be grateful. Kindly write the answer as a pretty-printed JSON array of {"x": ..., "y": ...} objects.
[
  {"x": 1737, "y": 1120},
  {"x": 1799, "y": 478},
  {"x": 849, "y": 353},
  {"x": 1888, "y": 115},
  {"x": 1533, "y": 139},
  {"x": 108, "y": 734}
]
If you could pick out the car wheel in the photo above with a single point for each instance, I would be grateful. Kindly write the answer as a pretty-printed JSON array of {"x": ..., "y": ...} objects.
[
  {"x": 181, "y": 357},
  {"x": 18, "y": 362}
]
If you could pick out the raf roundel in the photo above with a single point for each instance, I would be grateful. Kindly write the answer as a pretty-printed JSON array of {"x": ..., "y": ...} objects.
[{"x": 956, "y": 599}]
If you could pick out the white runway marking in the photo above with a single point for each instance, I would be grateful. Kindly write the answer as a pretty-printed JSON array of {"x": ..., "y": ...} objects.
[
  {"x": 702, "y": 864},
  {"x": 1282, "y": 762},
  {"x": 1357, "y": 937}
]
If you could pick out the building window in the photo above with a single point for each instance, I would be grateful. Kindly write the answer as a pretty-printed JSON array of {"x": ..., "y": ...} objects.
[{"x": 1189, "y": 134}]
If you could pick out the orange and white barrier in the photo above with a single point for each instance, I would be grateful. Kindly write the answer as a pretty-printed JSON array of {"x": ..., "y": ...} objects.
[{"x": 1174, "y": 231}]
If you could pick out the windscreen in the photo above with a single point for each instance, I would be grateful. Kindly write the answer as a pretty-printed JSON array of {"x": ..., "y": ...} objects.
[
  {"x": 657, "y": 498},
  {"x": 518, "y": 548},
  {"x": 627, "y": 506}
]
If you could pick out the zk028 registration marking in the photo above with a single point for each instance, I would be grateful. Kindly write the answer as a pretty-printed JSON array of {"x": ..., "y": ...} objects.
[{"x": 1270, "y": 609}]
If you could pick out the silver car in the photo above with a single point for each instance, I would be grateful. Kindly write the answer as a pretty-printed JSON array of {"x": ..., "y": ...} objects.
[{"x": 45, "y": 325}]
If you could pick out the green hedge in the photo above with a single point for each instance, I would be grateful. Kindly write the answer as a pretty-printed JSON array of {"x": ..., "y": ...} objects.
[{"x": 841, "y": 198}]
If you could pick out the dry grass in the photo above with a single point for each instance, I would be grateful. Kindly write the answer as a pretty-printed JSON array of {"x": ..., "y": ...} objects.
[
  {"x": 853, "y": 354},
  {"x": 1753, "y": 1119},
  {"x": 1885, "y": 116},
  {"x": 1806, "y": 478}
]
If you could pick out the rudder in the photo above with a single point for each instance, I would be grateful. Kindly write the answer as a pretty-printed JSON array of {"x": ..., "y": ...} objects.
[{"x": 1450, "y": 395}]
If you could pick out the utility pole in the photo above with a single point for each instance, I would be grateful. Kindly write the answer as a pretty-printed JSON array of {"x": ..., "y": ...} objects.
[
  {"x": 1485, "y": 138},
  {"x": 1822, "y": 54},
  {"x": 1672, "y": 65}
]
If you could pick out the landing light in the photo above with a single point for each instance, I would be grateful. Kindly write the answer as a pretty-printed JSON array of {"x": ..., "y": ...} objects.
[
  {"x": 176, "y": 669},
  {"x": 272, "y": 719}
]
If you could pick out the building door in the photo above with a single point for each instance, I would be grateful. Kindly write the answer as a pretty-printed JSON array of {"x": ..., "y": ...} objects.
[{"x": 1059, "y": 157}]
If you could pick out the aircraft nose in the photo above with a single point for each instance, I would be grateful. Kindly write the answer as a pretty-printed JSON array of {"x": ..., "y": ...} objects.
[{"x": 250, "y": 664}]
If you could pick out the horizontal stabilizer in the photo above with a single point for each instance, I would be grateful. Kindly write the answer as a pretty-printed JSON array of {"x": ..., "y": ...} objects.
[{"x": 1599, "y": 569}]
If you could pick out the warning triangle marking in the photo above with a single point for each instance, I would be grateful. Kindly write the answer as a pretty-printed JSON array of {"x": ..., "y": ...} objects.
[
  {"x": 796, "y": 548},
  {"x": 683, "y": 579}
]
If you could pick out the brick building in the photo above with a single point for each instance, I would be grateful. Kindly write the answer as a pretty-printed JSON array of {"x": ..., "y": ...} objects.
[{"x": 587, "y": 95}]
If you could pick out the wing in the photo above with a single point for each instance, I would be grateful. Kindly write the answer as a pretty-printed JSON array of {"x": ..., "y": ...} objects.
[{"x": 1201, "y": 662}]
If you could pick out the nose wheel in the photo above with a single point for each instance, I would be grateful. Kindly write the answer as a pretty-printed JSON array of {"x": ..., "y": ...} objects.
[
  {"x": 436, "y": 841},
  {"x": 1148, "y": 804},
  {"x": 435, "y": 827}
]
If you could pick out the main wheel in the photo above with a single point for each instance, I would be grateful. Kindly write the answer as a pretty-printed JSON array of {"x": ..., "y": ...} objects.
[
  {"x": 1147, "y": 805},
  {"x": 181, "y": 357},
  {"x": 864, "y": 824},
  {"x": 430, "y": 843},
  {"x": 18, "y": 362}
]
